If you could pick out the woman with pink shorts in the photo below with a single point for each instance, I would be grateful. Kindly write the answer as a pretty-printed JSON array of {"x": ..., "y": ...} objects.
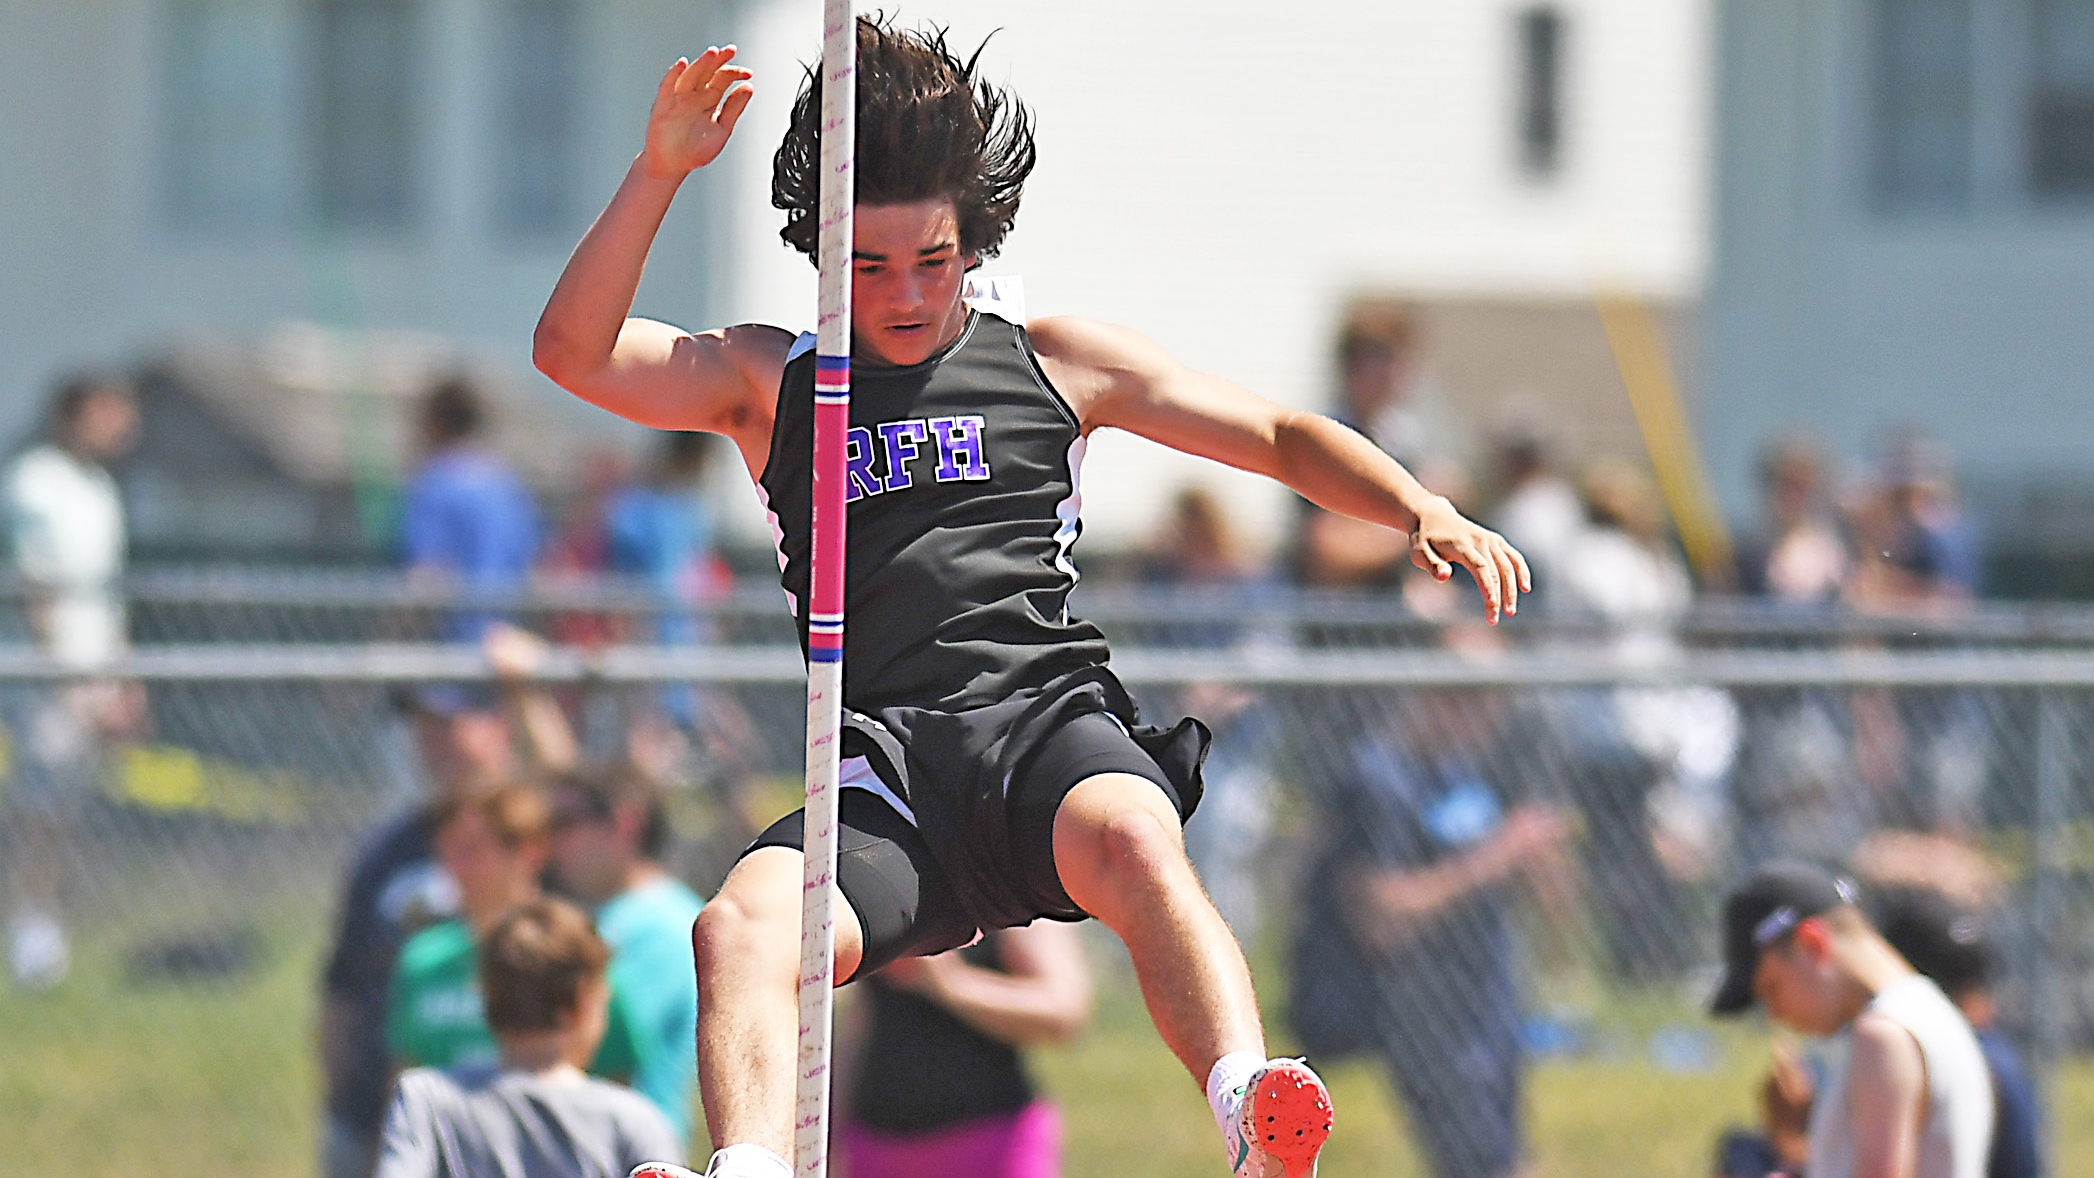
[{"x": 939, "y": 1085}]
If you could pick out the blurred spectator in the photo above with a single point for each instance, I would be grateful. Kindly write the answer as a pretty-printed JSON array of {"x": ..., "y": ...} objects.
[
  {"x": 1378, "y": 387},
  {"x": 1406, "y": 949},
  {"x": 1196, "y": 545},
  {"x": 1797, "y": 556},
  {"x": 1947, "y": 941},
  {"x": 66, "y": 536},
  {"x": 1923, "y": 754},
  {"x": 936, "y": 1080},
  {"x": 493, "y": 844},
  {"x": 1376, "y": 373},
  {"x": 1199, "y": 553},
  {"x": 658, "y": 530},
  {"x": 531, "y": 1114},
  {"x": 609, "y": 834},
  {"x": 395, "y": 887},
  {"x": 581, "y": 550},
  {"x": 1918, "y": 551},
  {"x": 467, "y": 523},
  {"x": 1646, "y": 765},
  {"x": 1538, "y": 509},
  {"x": 1795, "y": 794},
  {"x": 1903, "y": 1087}
]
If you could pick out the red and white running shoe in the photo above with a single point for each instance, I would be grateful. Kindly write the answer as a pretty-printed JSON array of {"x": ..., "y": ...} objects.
[{"x": 1281, "y": 1123}]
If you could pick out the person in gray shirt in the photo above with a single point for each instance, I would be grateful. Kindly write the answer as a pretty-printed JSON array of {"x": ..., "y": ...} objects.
[{"x": 535, "y": 1114}]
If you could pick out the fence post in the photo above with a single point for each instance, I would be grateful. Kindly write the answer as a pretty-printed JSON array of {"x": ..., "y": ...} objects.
[{"x": 2046, "y": 986}]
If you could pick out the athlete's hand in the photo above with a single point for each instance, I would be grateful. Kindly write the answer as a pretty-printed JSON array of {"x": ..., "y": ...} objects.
[
  {"x": 1444, "y": 538},
  {"x": 694, "y": 112}
]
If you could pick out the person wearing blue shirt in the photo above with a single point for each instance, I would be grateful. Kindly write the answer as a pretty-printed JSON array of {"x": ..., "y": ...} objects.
[
  {"x": 467, "y": 521},
  {"x": 1949, "y": 943},
  {"x": 658, "y": 531},
  {"x": 609, "y": 833}
]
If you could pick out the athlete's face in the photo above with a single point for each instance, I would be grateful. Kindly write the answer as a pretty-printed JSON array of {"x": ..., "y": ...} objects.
[{"x": 905, "y": 281}]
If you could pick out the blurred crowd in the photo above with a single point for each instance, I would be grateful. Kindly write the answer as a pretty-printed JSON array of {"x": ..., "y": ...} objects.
[{"x": 1447, "y": 825}]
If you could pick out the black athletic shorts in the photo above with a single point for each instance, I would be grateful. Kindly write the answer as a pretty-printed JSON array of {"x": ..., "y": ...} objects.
[{"x": 983, "y": 787}]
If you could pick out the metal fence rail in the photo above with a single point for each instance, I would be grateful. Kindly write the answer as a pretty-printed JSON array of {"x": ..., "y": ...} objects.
[
  {"x": 213, "y": 605},
  {"x": 210, "y": 844}
]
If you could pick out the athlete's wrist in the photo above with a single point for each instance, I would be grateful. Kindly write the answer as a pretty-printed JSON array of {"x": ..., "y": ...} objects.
[{"x": 656, "y": 173}]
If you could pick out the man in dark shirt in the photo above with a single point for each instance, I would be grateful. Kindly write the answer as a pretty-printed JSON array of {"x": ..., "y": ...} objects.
[
  {"x": 395, "y": 887},
  {"x": 1407, "y": 936}
]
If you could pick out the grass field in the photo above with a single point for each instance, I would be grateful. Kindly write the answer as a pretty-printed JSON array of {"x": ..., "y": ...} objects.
[{"x": 115, "y": 1076}]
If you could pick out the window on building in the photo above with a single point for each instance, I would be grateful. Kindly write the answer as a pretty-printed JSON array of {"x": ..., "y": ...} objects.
[
  {"x": 2061, "y": 100},
  {"x": 1923, "y": 76},
  {"x": 1540, "y": 33},
  {"x": 364, "y": 78},
  {"x": 227, "y": 145},
  {"x": 536, "y": 118}
]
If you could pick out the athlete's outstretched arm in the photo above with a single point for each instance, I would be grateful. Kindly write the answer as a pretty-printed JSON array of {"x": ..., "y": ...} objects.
[
  {"x": 1114, "y": 377},
  {"x": 651, "y": 372}
]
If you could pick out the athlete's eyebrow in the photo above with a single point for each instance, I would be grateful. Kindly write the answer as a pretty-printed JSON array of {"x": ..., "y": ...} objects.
[{"x": 925, "y": 252}]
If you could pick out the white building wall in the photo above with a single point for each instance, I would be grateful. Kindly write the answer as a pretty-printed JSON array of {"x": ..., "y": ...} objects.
[{"x": 1223, "y": 178}]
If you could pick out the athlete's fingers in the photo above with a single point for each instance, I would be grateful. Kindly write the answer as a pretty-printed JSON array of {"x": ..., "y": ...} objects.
[
  {"x": 724, "y": 79},
  {"x": 668, "y": 86},
  {"x": 732, "y": 106},
  {"x": 1426, "y": 557},
  {"x": 1486, "y": 573},
  {"x": 700, "y": 73},
  {"x": 1526, "y": 574},
  {"x": 1508, "y": 575}
]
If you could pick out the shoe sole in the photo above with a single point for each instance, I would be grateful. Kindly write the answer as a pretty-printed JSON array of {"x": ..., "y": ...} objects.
[{"x": 1289, "y": 1117}]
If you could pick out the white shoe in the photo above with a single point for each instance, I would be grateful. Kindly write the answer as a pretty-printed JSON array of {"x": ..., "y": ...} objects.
[
  {"x": 37, "y": 952},
  {"x": 661, "y": 1170},
  {"x": 1282, "y": 1119}
]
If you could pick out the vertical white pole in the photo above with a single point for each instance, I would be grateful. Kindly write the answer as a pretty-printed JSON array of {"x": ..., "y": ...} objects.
[{"x": 832, "y": 414}]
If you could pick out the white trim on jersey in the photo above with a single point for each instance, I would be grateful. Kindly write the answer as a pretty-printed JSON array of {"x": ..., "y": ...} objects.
[
  {"x": 1070, "y": 512},
  {"x": 857, "y": 773},
  {"x": 792, "y": 603},
  {"x": 1001, "y": 295}
]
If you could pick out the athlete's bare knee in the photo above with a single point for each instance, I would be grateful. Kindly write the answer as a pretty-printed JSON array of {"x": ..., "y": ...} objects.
[
  {"x": 1114, "y": 837},
  {"x": 752, "y": 927}
]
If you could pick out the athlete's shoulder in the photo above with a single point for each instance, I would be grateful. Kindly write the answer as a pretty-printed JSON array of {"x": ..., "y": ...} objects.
[
  {"x": 1090, "y": 360},
  {"x": 759, "y": 350}
]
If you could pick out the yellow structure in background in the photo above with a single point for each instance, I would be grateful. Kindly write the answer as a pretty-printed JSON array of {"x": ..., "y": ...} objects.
[{"x": 1646, "y": 373}]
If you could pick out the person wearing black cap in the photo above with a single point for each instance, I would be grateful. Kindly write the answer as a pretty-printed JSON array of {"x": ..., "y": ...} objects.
[{"x": 1907, "y": 1093}]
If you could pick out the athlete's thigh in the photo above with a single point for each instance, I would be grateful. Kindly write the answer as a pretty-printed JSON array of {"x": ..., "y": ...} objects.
[{"x": 897, "y": 897}]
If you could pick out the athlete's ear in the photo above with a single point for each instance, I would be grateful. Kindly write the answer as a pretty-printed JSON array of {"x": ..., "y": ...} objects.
[{"x": 970, "y": 262}]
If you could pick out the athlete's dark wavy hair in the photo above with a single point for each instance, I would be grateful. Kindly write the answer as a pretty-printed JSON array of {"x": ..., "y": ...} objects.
[{"x": 928, "y": 127}]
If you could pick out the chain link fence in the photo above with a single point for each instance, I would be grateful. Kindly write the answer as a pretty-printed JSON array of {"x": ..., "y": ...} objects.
[{"x": 1455, "y": 852}]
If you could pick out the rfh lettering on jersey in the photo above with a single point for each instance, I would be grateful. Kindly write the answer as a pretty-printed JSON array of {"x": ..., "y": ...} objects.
[{"x": 879, "y": 456}]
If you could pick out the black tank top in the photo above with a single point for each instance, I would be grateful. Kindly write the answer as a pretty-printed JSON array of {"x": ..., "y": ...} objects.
[
  {"x": 963, "y": 498},
  {"x": 923, "y": 1069}
]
